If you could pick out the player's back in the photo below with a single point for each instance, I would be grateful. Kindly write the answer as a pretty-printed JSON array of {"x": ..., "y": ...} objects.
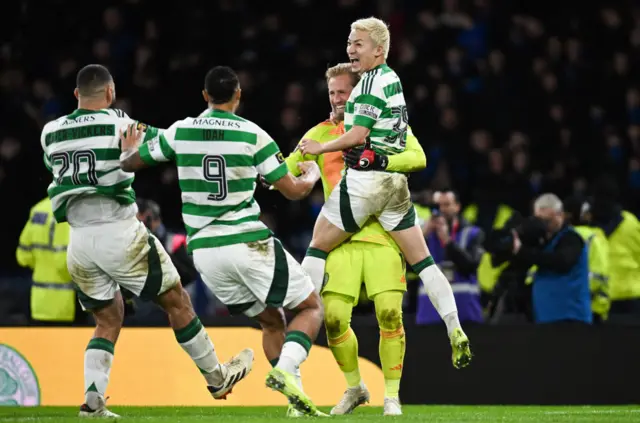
[
  {"x": 82, "y": 152},
  {"x": 218, "y": 156},
  {"x": 377, "y": 102}
]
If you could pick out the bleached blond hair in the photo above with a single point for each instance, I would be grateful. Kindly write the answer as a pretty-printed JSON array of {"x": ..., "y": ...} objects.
[
  {"x": 377, "y": 30},
  {"x": 342, "y": 69}
]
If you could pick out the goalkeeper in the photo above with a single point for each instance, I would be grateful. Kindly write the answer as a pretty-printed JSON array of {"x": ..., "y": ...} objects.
[{"x": 370, "y": 256}]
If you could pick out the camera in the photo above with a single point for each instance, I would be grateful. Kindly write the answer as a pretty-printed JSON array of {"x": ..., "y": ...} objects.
[{"x": 531, "y": 232}]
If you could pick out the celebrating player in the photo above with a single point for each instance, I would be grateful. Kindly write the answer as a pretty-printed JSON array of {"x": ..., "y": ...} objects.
[
  {"x": 109, "y": 248},
  {"x": 376, "y": 115},
  {"x": 370, "y": 256},
  {"x": 218, "y": 156}
]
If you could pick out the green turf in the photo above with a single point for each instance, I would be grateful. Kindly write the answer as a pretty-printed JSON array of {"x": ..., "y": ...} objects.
[{"x": 430, "y": 414}]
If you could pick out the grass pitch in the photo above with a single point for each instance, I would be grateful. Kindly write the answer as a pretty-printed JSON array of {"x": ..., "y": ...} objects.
[{"x": 431, "y": 414}]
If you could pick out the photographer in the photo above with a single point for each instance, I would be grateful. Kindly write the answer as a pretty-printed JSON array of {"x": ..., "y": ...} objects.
[
  {"x": 456, "y": 248},
  {"x": 560, "y": 290}
]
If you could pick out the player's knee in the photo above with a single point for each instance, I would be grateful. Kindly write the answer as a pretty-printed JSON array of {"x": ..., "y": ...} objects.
[
  {"x": 337, "y": 317},
  {"x": 272, "y": 320},
  {"x": 389, "y": 310},
  {"x": 389, "y": 319}
]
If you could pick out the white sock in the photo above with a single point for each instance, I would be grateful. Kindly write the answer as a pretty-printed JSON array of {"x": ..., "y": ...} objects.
[
  {"x": 98, "y": 359},
  {"x": 452, "y": 322},
  {"x": 294, "y": 351},
  {"x": 313, "y": 263},
  {"x": 194, "y": 339},
  {"x": 440, "y": 293},
  {"x": 298, "y": 376}
]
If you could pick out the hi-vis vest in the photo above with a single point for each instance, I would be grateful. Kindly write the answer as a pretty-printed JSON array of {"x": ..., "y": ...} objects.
[
  {"x": 624, "y": 258},
  {"x": 598, "y": 247},
  {"x": 488, "y": 274},
  {"x": 43, "y": 248}
]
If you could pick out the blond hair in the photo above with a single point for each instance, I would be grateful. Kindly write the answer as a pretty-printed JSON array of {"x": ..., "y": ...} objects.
[
  {"x": 377, "y": 30},
  {"x": 342, "y": 69}
]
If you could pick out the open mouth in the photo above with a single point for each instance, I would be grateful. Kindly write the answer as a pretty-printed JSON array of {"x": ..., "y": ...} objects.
[
  {"x": 340, "y": 107},
  {"x": 354, "y": 61}
]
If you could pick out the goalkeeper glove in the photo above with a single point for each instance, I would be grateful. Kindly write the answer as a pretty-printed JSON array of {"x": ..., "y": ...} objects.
[{"x": 365, "y": 159}]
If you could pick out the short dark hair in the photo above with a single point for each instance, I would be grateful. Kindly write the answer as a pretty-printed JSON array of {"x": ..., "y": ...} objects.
[
  {"x": 92, "y": 78},
  {"x": 220, "y": 84}
]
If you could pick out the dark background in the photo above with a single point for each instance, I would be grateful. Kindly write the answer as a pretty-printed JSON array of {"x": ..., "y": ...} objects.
[{"x": 521, "y": 97}]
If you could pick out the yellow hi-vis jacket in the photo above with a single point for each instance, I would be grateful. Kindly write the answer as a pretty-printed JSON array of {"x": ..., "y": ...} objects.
[
  {"x": 488, "y": 274},
  {"x": 599, "y": 271},
  {"x": 43, "y": 248},
  {"x": 624, "y": 259}
]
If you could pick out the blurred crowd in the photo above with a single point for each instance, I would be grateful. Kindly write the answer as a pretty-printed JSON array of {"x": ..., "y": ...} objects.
[{"x": 508, "y": 99}]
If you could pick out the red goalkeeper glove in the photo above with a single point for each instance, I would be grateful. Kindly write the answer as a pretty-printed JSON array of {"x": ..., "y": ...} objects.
[{"x": 365, "y": 159}]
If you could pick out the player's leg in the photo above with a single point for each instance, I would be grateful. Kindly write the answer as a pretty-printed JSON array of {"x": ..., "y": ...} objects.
[
  {"x": 288, "y": 286},
  {"x": 274, "y": 325},
  {"x": 344, "y": 212},
  {"x": 384, "y": 276},
  {"x": 144, "y": 268},
  {"x": 401, "y": 223},
  {"x": 194, "y": 340},
  {"x": 99, "y": 295},
  {"x": 392, "y": 346},
  {"x": 343, "y": 280}
]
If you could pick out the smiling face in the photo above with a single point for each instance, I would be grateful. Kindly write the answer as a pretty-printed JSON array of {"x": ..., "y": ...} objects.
[
  {"x": 339, "y": 90},
  {"x": 364, "y": 54}
]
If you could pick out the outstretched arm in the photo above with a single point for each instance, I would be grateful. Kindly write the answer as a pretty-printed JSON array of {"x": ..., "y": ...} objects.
[
  {"x": 137, "y": 155},
  {"x": 353, "y": 137}
]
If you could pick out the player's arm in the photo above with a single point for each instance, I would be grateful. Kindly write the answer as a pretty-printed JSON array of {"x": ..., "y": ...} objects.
[
  {"x": 271, "y": 165},
  {"x": 411, "y": 159},
  {"x": 353, "y": 137},
  {"x": 367, "y": 108},
  {"x": 137, "y": 155},
  {"x": 149, "y": 131}
]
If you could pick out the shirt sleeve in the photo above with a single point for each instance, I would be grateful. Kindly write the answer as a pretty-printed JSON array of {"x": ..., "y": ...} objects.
[
  {"x": 160, "y": 148},
  {"x": 368, "y": 106},
  {"x": 411, "y": 159},
  {"x": 268, "y": 159},
  {"x": 297, "y": 157}
]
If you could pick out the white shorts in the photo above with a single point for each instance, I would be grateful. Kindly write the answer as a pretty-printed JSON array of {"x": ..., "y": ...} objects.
[
  {"x": 249, "y": 277},
  {"x": 104, "y": 258},
  {"x": 363, "y": 194}
]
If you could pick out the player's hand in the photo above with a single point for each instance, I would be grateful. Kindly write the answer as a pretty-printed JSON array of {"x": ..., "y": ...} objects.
[
  {"x": 517, "y": 244},
  {"x": 310, "y": 169},
  {"x": 365, "y": 159},
  {"x": 442, "y": 229},
  {"x": 131, "y": 137},
  {"x": 308, "y": 146}
]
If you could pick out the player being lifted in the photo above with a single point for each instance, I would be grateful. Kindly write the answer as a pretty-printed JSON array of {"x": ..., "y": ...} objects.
[
  {"x": 219, "y": 156},
  {"x": 376, "y": 116},
  {"x": 109, "y": 248},
  {"x": 369, "y": 256}
]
